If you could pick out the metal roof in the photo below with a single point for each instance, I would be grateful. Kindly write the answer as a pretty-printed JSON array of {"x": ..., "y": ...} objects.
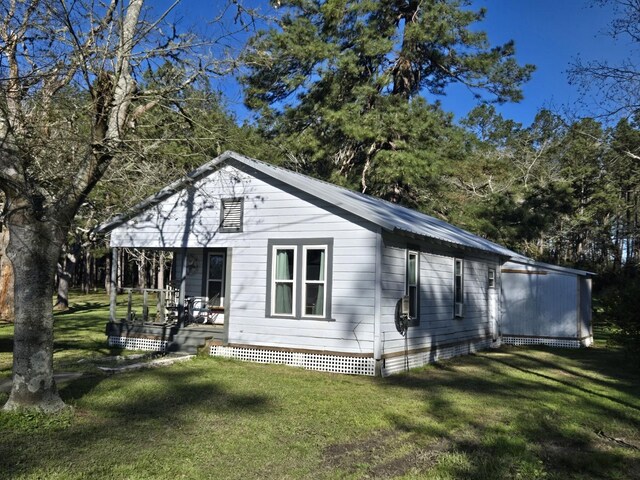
[
  {"x": 389, "y": 216},
  {"x": 528, "y": 262}
]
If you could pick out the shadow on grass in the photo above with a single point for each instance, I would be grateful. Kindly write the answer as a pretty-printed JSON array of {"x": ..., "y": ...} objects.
[
  {"x": 532, "y": 365},
  {"x": 6, "y": 344},
  {"x": 525, "y": 415},
  {"x": 140, "y": 413},
  {"x": 80, "y": 308},
  {"x": 87, "y": 345}
]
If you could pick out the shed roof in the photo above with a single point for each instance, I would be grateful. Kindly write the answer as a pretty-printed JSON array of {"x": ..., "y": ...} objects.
[
  {"x": 389, "y": 216},
  {"x": 528, "y": 262}
]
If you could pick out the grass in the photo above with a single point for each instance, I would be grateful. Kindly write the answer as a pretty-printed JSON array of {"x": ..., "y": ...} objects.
[
  {"x": 79, "y": 333},
  {"x": 514, "y": 413}
]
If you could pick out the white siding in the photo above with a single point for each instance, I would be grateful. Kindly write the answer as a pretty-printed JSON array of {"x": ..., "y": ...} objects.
[
  {"x": 585, "y": 308},
  {"x": 539, "y": 303},
  {"x": 437, "y": 326},
  {"x": 190, "y": 219}
]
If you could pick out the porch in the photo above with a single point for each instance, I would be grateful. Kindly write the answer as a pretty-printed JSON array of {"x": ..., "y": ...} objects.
[
  {"x": 163, "y": 337},
  {"x": 180, "y": 317},
  {"x": 154, "y": 320}
]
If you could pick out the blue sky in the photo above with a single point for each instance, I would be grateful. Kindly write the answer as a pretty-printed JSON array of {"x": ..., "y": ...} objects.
[{"x": 548, "y": 33}]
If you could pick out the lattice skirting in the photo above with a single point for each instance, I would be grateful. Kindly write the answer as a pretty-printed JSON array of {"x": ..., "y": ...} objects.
[
  {"x": 309, "y": 361},
  {"x": 136, "y": 343},
  {"x": 550, "y": 342},
  {"x": 402, "y": 363}
]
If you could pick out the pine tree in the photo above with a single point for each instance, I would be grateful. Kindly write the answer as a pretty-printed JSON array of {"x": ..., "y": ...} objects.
[{"x": 349, "y": 88}]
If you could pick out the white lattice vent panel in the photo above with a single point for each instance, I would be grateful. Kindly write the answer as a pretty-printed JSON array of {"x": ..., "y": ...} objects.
[
  {"x": 550, "y": 342},
  {"x": 135, "y": 343},
  {"x": 413, "y": 360},
  {"x": 309, "y": 361}
]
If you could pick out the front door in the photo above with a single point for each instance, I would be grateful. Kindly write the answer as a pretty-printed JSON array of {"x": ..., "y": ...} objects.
[{"x": 216, "y": 283}]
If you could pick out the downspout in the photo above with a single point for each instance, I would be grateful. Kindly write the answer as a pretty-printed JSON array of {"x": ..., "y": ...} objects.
[
  {"x": 377, "y": 306},
  {"x": 113, "y": 288}
]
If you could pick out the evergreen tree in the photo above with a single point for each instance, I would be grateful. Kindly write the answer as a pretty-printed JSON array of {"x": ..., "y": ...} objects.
[
  {"x": 347, "y": 87},
  {"x": 623, "y": 163}
]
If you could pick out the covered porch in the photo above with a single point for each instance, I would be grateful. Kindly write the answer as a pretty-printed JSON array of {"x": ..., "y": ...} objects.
[{"x": 183, "y": 314}]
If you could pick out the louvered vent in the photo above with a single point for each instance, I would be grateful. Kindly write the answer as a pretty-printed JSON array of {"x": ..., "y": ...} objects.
[{"x": 231, "y": 220}]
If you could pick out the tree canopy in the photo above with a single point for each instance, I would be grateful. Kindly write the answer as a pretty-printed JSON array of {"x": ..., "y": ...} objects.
[
  {"x": 349, "y": 87},
  {"x": 75, "y": 81}
]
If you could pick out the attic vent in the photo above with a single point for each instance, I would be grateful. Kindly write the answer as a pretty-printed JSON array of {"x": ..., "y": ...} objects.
[{"x": 231, "y": 215}]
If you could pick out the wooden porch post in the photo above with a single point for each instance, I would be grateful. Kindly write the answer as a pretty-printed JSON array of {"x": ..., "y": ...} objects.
[
  {"x": 113, "y": 290},
  {"x": 183, "y": 285}
]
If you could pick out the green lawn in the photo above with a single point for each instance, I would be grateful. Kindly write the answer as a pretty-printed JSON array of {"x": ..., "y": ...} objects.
[{"x": 512, "y": 413}]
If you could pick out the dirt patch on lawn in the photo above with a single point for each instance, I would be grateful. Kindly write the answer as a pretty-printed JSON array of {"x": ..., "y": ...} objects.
[{"x": 385, "y": 454}]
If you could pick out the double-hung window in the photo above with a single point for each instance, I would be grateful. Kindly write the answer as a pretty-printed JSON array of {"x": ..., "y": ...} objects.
[
  {"x": 315, "y": 268},
  {"x": 299, "y": 278},
  {"x": 458, "y": 287},
  {"x": 412, "y": 275},
  {"x": 283, "y": 293}
]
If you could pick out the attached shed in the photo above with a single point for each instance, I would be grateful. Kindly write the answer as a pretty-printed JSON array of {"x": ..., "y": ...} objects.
[
  {"x": 294, "y": 270},
  {"x": 545, "y": 304}
]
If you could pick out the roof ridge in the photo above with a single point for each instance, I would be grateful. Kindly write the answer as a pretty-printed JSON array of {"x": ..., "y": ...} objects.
[
  {"x": 363, "y": 195},
  {"x": 386, "y": 215},
  {"x": 333, "y": 185}
]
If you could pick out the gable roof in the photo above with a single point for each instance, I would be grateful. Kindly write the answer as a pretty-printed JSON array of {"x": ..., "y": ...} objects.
[{"x": 389, "y": 216}]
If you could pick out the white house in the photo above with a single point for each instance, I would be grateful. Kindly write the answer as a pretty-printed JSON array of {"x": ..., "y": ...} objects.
[{"x": 303, "y": 272}]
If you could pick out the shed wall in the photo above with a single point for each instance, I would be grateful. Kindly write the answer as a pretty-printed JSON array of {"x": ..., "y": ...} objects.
[
  {"x": 272, "y": 210},
  {"x": 586, "y": 331},
  {"x": 539, "y": 303}
]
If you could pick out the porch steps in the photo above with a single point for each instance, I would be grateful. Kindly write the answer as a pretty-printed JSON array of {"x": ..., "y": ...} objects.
[{"x": 190, "y": 340}]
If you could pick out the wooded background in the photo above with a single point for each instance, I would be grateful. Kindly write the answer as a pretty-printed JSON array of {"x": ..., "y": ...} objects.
[{"x": 347, "y": 91}]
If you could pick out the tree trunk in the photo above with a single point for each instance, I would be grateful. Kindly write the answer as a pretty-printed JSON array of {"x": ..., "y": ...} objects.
[
  {"x": 86, "y": 271},
  {"x": 161, "y": 264},
  {"x": 141, "y": 262},
  {"x": 120, "y": 274},
  {"x": 66, "y": 268},
  {"x": 34, "y": 248},
  {"x": 6, "y": 280},
  {"x": 153, "y": 272},
  {"x": 107, "y": 274},
  {"x": 93, "y": 273}
]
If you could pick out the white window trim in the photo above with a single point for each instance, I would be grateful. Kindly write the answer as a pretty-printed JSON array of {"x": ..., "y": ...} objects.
[
  {"x": 275, "y": 281},
  {"x": 305, "y": 248},
  {"x": 492, "y": 279}
]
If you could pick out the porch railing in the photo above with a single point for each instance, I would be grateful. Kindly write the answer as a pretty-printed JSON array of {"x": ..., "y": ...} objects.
[{"x": 166, "y": 300}]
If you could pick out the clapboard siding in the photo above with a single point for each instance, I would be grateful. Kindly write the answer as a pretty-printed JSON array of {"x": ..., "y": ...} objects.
[
  {"x": 437, "y": 326},
  {"x": 272, "y": 210}
]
